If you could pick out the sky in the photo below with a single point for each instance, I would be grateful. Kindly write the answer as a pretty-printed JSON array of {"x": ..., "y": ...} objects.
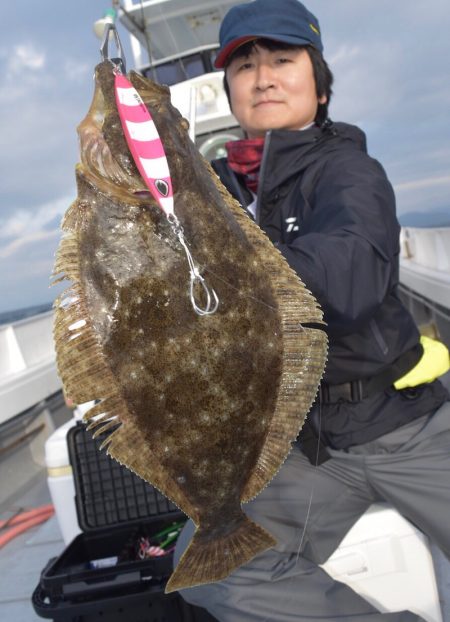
[{"x": 390, "y": 59}]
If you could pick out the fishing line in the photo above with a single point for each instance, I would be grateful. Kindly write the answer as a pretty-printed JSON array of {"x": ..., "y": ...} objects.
[
  {"x": 316, "y": 464},
  {"x": 174, "y": 41},
  {"x": 231, "y": 286},
  {"x": 292, "y": 597},
  {"x": 148, "y": 44},
  {"x": 117, "y": 4}
]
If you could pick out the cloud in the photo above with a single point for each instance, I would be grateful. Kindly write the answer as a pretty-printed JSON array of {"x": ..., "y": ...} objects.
[
  {"x": 343, "y": 54},
  {"x": 361, "y": 95},
  {"x": 428, "y": 182},
  {"x": 25, "y": 57},
  {"x": 77, "y": 71},
  {"x": 25, "y": 65},
  {"x": 38, "y": 140},
  {"x": 22, "y": 222},
  {"x": 27, "y": 227},
  {"x": 31, "y": 238},
  {"x": 423, "y": 194},
  {"x": 25, "y": 277}
]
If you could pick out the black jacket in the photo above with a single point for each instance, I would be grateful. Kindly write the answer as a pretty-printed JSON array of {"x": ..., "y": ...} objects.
[{"x": 330, "y": 210}]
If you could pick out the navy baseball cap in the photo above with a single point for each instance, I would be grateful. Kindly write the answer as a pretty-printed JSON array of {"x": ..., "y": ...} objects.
[{"x": 288, "y": 21}]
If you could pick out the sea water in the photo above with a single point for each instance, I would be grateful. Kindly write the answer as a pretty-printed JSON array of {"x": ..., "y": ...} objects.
[{"x": 7, "y": 317}]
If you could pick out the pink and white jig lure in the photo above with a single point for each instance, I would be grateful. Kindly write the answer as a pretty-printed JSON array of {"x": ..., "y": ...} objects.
[{"x": 144, "y": 143}]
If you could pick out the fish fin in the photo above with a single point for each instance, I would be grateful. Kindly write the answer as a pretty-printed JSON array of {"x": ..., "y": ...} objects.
[
  {"x": 207, "y": 560},
  {"x": 86, "y": 376},
  {"x": 300, "y": 306},
  {"x": 302, "y": 370},
  {"x": 151, "y": 92},
  {"x": 304, "y": 351},
  {"x": 81, "y": 363},
  {"x": 128, "y": 447}
]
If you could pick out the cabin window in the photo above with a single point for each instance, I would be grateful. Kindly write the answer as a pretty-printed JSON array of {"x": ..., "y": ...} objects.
[{"x": 178, "y": 70}]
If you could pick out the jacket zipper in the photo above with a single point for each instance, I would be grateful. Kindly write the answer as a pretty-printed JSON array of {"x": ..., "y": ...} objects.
[
  {"x": 237, "y": 187},
  {"x": 261, "y": 176},
  {"x": 379, "y": 337}
]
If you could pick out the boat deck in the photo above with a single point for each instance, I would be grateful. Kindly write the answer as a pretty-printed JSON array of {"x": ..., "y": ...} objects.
[
  {"x": 23, "y": 487},
  {"x": 22, "y": 559}
]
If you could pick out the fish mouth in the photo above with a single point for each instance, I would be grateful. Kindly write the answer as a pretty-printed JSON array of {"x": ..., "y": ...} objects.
[
  {"x": 105, "y": 157},
  {"x": 144, "y": 194}
]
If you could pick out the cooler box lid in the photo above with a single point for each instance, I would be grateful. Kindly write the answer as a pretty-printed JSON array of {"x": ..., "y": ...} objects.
[{"x": 107, "y": 494}]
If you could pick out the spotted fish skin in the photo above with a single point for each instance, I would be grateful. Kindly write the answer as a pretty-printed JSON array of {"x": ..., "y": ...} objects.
[{"x": 204, "y": 408}]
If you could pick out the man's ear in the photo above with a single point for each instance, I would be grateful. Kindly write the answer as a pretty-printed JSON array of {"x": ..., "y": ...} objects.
[
  {"x": 226, "y": 88},
  {"x": 322, "y": 99}
]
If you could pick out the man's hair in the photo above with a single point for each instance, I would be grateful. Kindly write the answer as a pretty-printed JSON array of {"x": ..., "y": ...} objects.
[{"x": 322, "y": 73}]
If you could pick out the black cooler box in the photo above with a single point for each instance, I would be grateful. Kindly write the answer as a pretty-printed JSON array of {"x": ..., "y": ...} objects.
[{"x": 100, "y": 575}]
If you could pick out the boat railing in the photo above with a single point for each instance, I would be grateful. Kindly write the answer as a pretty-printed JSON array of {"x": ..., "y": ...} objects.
[
  {"x": 27, "y": 364},
  {"x": 427, "y": 247},
  {"x": 425, "y": 263}
]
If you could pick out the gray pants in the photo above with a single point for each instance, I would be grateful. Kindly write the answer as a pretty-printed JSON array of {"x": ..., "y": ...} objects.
[{"x": 310, "y": 509}]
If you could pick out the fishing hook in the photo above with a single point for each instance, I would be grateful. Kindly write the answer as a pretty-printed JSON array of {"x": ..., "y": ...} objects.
[
  {"x": 212, "y": 301},
  {"x": 119, "y": 61}
]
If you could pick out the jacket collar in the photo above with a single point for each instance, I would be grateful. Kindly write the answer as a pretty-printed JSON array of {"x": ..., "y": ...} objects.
[{"x": 289, "y": 152}]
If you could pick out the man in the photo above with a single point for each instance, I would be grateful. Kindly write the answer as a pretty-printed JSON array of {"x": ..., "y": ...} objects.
[{"x": 378, "y": 431}]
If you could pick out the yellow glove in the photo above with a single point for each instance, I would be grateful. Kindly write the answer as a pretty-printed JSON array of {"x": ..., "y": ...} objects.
[{"x": 435, "y": 361}]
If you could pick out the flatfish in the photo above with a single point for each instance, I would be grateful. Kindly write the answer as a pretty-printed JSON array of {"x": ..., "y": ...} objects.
[{"x": 205, "y": 408}]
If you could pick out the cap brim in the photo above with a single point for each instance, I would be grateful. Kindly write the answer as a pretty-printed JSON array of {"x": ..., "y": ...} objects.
[{"x": 224, "y": 54}]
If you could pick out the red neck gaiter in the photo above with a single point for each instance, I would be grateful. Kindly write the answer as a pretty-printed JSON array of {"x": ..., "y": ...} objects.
[{"x": 244, "y": 157}]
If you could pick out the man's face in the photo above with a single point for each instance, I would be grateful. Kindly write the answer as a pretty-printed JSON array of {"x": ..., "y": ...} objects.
[{"x": 273, "y": 89}]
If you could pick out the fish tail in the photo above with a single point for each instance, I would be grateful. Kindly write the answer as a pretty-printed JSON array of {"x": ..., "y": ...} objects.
[{"x": 211, "y": 559}]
